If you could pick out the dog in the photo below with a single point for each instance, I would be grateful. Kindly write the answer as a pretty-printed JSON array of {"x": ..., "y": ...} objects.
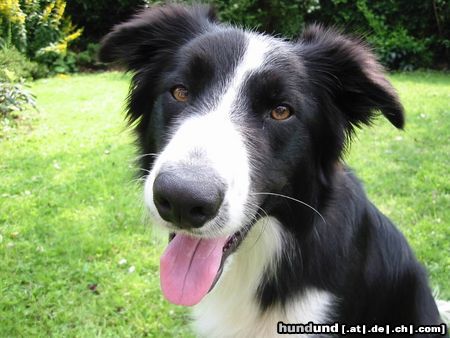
[{"x": 242, "y": 136}]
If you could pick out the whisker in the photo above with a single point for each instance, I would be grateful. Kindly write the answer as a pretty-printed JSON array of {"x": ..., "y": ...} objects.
[
  {"x": 139, "y": 179},
  {"x": 292, "y": 199},
  {"x": 261, "y": 216},
  {"x": 144, "y": 155},
  {"x": 146, "y": 170}
]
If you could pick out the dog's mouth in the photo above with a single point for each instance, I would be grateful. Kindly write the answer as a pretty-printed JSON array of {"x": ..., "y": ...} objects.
[{"x": 190, "y": 266}]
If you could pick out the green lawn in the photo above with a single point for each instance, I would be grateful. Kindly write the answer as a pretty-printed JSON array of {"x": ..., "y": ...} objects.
[{"x": 78, "y": 258}]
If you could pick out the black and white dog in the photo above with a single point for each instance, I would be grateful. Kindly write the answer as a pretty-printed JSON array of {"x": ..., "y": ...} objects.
[{"x": 242, "y": 136}]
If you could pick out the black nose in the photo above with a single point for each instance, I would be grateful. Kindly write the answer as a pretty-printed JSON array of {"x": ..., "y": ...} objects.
[{"x": 187, "y": 196}]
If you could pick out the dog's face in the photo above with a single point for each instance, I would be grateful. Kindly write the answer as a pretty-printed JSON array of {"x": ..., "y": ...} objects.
[{"x": 226, "y": 118}]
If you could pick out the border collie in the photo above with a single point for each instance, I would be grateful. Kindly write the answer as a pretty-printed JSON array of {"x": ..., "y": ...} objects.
[{"x": 242, "y": 136}]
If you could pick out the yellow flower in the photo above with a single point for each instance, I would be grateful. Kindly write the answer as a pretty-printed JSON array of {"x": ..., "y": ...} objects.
[
  {"x": 75, "y": 35},
  {"x": 10, "y": 9},
  {"x": 60, "y": 7},
  {"x": 47, "y": 11}
]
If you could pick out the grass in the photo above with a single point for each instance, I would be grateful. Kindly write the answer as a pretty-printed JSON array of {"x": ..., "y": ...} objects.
[
  {"x": 77, "y": 259},
  {"x": 406, "y": 173}
]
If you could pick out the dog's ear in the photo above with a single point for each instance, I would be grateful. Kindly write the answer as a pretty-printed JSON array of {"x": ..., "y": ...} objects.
[
  {"x": 152, "y": 35},
  {"x": 347, "y": 73},
  {"x": 146, "y": 46}
]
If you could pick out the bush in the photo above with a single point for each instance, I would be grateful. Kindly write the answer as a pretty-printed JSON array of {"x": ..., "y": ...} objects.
[
  {"x": 406, "y": 34},
  {"x": 58, "y": 63},
  {"x": 39, "y": 29},
  {"x": 285, "y": 17},
  {"x": 399, "y": 50},
  {"x": 14, "y": 97},
  {"x": 87, "y": 59},
  {"x": 19, "y": 64}
]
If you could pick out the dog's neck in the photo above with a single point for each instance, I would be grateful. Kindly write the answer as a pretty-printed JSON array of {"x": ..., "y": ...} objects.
[{"x": 233, "y": 308}]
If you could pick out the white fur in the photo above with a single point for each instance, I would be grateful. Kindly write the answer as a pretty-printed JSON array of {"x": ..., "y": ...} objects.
[
  {"x": 444, "y": 310},
  {"x": 253, "y": 59},
  {"x": 199, "y": 141},
  {"x": 213, "y": 139},
  {"x": 231, "y": 310}
]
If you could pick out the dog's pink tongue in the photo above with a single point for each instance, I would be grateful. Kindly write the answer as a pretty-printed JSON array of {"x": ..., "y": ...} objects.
[{"x": 188, "y": 268}]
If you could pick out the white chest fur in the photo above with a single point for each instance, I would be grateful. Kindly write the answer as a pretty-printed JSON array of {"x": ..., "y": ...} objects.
[{"x": 230, "y": 309}]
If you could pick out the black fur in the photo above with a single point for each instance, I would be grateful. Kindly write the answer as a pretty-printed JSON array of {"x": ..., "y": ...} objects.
[{"x": 333, "y": 84}]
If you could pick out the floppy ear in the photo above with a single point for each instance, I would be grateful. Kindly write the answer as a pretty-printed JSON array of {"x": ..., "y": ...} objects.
[
  {"x": 347, "y": 73},
  {"x": 146, "y": 45},
  {"x": 152, "y": 35}
]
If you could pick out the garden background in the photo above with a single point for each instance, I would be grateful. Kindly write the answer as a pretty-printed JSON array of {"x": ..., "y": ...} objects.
[{"x": 78, "y": 258}]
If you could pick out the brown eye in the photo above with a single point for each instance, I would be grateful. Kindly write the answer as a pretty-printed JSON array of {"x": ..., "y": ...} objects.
[
  {"x": 180, "y": 93},
  {"x": 280, "y": 113}
]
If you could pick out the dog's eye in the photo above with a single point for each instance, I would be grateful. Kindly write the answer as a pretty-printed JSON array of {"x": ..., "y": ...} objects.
[
  {"x": 180, "y": 93},
  {"x": 280, "y": 113}
]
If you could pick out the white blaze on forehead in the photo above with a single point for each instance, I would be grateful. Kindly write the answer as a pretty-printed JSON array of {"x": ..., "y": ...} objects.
[
  {"x": 212, "y": 139},
  {"x": 257, "y": 48}
]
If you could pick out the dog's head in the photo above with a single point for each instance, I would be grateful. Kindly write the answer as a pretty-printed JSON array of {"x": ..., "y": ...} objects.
[{"x": 227, "y": 118}]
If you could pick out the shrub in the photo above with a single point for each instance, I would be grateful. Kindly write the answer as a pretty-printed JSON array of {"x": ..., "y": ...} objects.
[
  {"x": 19, "y": 64},
  {"x": 88, "y": 57},
  {"x": 285, "y": 17},
  {"x": 397, "y": 48},
  {"x": 14, "y": 97},
  {"x": 39, "y": 29},
  {"x": 12, "y": 24},
  {"x": 406, "y": 34}
]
